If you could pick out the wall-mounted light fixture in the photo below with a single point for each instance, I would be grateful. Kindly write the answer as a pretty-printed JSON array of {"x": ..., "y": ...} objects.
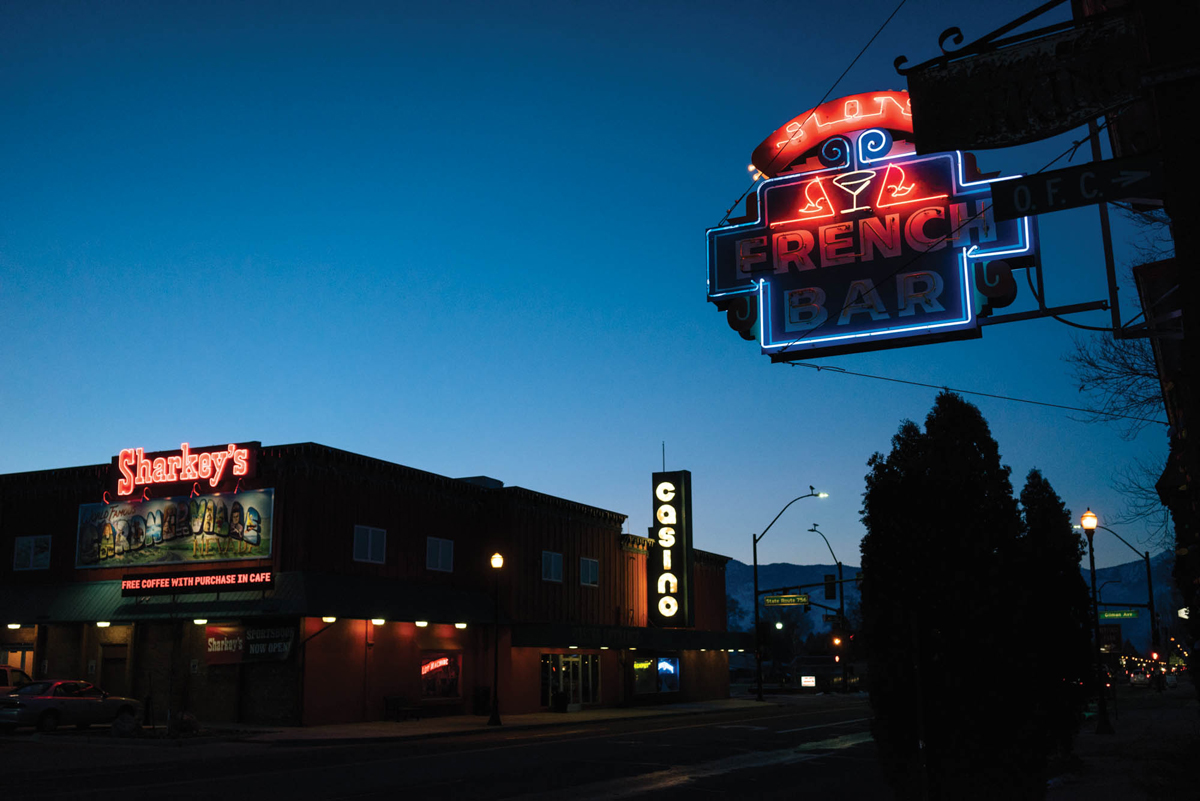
[
  {"x": 14, "y": 625},
  {"x": 421, "y": 623},
  {"x": 377, "y": 621},
  {"x": 460, "y": 625},
  {"x": 102, "y": 624},
  {"x": 329, "y": 620},
  {"x": 200, "y": 621}
]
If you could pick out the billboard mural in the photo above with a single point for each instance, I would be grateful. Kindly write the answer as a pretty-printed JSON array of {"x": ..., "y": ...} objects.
[
  {"x": 857, "y": 243},
  {"x": 202, "y": 528}
]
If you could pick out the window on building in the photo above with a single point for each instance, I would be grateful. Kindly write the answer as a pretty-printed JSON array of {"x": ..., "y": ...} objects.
[
  {"x": 439, "y": 554},
  {"x": 370, "y": 544},
  {"x": 656, "y": 674},
  {"x": 439, "y": 673},
  {"x": 570, "y": 679},
  {"x": 551, "y": 566},
  {"x": 589, "y": 572},
  {"x": 31, "y": 553}
]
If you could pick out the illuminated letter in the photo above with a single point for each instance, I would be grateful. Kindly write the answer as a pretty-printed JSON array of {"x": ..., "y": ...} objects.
[
  {"x": 666, "y": 515},
  {"x": 219, "y": 458},
  {"x": 792, "y": 249},
  {"x": 666, "y": 536},
  {"x": 143, "y": 468},
  {"x": 124, "y": 460},
  {"x": 666, "y": 552},
  {"x": 174, "y": 465},
  {"x": 874, "y": 234},
  {"x": 665, "y": 491},
  {"x": 806, "y": 308},
  {"x": 914, "y": 229},
  {"x": 862, "y": 297},
  {"x": 908, "y": 297},
  {"x": 746, "y": 257},
  {"x": 668, "y": 606},
  {"x": 160, "y": 470},
  {"x": 668, "y": 579},
  {"x": 189, "y": 464},
  {"x": 240, "y": 459},
  {"x": 835, "y": 241},
  {"x": 205, "y": 466}
]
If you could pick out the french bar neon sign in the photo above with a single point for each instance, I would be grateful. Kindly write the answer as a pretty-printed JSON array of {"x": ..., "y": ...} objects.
[
  {"x": 862, "y": 245},
  {"x": 207, "y": 465}
]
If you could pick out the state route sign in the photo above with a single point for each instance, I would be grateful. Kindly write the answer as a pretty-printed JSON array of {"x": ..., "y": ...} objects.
[{"x": 786, "y": 600}]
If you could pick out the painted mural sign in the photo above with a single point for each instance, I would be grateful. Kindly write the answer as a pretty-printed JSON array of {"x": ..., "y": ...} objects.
[
  {"x": 669, "y": 563},
  {"x": 162, "y": 531},
  {"x": 229, "y": 645},
  {"x": 857, "y": 243}
]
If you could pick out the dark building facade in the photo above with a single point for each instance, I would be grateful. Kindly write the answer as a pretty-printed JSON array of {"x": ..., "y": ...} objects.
[{"x": 303, "y": 585}]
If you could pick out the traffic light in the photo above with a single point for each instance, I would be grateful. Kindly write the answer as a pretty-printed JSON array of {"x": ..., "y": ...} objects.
[{"x": 830, "y": 587}]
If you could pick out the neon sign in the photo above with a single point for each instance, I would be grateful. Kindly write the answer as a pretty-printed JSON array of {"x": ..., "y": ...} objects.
[
  {"x": 669, "y": 565},
  {"x": 863, "y": 244},
  {"x": 138, "y": 469},
  {"x": 436, "y": 664}
]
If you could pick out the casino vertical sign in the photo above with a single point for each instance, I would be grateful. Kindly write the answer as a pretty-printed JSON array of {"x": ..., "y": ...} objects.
[
  {"x": 857, "y": 243},
  {"x": 669, "y": 564}
]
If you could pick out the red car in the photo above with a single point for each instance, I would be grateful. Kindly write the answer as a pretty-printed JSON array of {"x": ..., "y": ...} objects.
[{"x": 64, "y": 702}]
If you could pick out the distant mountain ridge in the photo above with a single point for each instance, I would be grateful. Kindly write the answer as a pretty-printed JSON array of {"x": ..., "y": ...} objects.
[{"x": 1126, "y": 584}]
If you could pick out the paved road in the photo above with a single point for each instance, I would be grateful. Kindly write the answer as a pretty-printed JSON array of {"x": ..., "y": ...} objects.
[{"x": 768, "y": 752}]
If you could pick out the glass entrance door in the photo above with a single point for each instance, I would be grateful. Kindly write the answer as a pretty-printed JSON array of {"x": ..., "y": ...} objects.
[{"x": 570, "y": 679}]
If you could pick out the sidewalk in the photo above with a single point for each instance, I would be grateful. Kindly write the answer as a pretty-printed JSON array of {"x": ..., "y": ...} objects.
[{"x": 1152, "y": 755}]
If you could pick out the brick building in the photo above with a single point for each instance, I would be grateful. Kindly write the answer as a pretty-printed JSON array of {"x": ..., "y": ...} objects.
[{"x": 300, "y": 584}]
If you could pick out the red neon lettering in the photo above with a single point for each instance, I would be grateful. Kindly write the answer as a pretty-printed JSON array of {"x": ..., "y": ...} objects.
[
  {"x": 125, "y": 483},
  {"x": 434, "y": 665},
  {"x": 137, "y": 470}
]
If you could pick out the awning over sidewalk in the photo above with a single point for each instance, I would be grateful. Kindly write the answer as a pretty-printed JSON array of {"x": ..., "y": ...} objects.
[
  {"x": 294, "y": 594},
  {"x": 564, "y": 635}
]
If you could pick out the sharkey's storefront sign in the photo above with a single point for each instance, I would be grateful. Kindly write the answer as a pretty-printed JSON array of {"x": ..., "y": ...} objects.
[
  {"x": 229, "y": 645},
  {"x": 856, "y": 243},
  {"x": 669, "y": 563},
  {"x": 206, "y": 468}
]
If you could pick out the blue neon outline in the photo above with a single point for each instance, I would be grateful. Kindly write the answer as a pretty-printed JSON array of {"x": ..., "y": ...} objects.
[{"x": 800, "y": 341}]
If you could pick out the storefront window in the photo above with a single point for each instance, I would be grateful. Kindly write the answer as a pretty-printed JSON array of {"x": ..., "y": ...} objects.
[
  {"x": 439, "y": 674},
  {"x": 656, "y": 675}
]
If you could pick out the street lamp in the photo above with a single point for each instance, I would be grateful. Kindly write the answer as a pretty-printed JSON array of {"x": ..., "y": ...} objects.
[
  {"x": 841, "y": 600},
  {"x": 812, "y": 493},
  {"x": 1095, "y": 523},
  {"x": 497, "y": 563},
  {"x": 1103, "y": 726}
]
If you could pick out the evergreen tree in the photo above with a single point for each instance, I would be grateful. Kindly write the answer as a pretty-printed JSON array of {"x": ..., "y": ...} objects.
[
  {"x": 938, "y": 558},
  {"x": 1057, "y": 610}
]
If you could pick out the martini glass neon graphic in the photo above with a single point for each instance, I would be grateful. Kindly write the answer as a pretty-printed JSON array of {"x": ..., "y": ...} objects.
[{"x": 854, "y": 183}]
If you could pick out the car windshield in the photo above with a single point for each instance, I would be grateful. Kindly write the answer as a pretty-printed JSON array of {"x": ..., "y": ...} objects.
[{"x": 36, "y": 688}]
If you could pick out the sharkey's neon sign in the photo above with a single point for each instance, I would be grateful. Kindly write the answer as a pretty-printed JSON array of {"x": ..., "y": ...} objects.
[
  {"x": 856, "y": 243},
  {"x": 207, "y": 465}
]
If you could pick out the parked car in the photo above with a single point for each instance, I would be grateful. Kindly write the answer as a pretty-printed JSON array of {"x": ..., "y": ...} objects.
[
  {"x": 47, "y": 705},
  {"x": 11, "y": 678},
  {"x": 1139, "y": 678}
]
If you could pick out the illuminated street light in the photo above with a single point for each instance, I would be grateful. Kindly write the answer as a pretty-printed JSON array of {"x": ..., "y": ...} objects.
[
  {"x": 1103, "y": 726},
  {"x": 497, "y": 563},
  {"x": 812, "y": 493}
]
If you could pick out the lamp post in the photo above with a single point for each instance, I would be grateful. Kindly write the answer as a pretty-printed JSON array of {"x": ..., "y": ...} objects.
[
  {"x": 1103, "y": 726},
  {"x": 841, "y": 599},
  {"x": 812, "y": 493},
  {"x": 1154, "y": 638},
  {"x": 494, "y": 720}
]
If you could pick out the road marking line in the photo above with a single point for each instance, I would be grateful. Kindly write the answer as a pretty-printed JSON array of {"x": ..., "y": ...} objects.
[{"x": 821, "y": 726}]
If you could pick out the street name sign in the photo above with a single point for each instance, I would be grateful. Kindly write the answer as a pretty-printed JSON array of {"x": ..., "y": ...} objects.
[
  {"x": 1098, "y": 182},
  {"x": 786, "y": 600},
  {"x": 1119, "y": 614}
]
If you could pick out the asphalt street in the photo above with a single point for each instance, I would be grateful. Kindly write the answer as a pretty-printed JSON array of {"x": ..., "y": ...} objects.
[{"x": 767, "y": 752}]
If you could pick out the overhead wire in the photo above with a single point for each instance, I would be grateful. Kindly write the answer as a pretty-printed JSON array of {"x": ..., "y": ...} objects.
[{"x": 824, "y": 97}]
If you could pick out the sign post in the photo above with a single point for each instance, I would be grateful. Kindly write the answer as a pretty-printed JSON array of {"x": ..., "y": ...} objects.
[{"x": 1085, "y": 185}]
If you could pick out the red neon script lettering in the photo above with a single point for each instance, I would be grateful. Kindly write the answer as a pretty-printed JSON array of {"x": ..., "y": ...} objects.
[{"x": 136, "y": 470}]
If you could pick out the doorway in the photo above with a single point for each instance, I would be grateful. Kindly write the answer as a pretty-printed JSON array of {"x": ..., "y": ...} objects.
[{"x": 570, "y": 680}]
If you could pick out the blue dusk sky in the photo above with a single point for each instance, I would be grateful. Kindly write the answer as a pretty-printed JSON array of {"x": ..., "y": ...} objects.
[{"x": 470, "y": 238}]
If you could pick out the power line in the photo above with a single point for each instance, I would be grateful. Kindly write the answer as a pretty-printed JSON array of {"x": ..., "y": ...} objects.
[
  {"x": 1113, "y": 415},
  {"x": 825, "y": 97}
]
